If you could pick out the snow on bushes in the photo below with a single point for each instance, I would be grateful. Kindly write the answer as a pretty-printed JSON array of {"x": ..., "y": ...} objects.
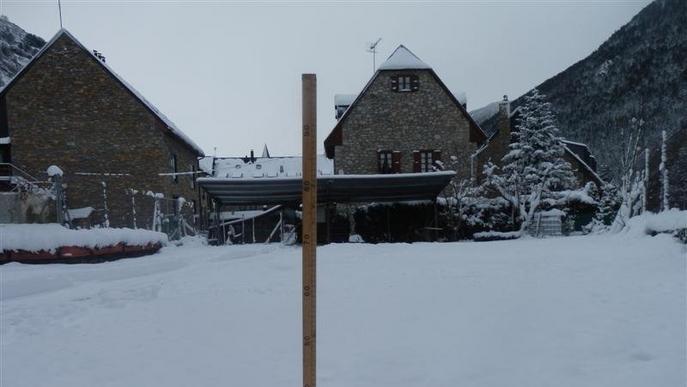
[
  {"x": 672, "y": 222},
  {"x": 49, "y": 237}
]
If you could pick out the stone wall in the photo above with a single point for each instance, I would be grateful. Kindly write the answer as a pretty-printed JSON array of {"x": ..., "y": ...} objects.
[
  {"x": 69, "y": 111},
  {"x": 405, "y": 122}
]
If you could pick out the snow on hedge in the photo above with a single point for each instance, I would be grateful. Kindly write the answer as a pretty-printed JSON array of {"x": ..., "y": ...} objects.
[
  {"x": 662, "y": 222},
  {"x": 36, "y": 237}
]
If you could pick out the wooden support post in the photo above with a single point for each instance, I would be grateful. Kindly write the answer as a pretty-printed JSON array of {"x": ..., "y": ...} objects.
[{"x": 309, "y": 227}]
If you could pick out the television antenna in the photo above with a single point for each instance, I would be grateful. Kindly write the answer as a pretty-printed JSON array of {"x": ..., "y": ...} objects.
[
  {"x": 59, "y": 7},
  {"x": 372, "y": 48}
]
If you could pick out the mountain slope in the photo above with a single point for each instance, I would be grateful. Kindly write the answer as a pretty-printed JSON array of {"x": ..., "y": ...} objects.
[
  {"x": 17, "y": 47},
  {"x": 640, "y": 71}
]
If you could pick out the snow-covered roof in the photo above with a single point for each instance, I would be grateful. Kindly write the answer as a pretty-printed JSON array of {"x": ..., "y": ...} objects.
[
  {"x": 206, "y": 164},
  {"x": 403, "y": 59},
  {"x": 80, "y": 213},
  {"x": 172, "y": 127},
  {"x": 267, "y": 167},
  {"x": 344, "y": 99},
  {"x": 584, "y": 164}
]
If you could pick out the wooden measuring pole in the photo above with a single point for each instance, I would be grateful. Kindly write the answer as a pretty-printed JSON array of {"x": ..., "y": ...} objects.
[{"x": 309, "y": 227}]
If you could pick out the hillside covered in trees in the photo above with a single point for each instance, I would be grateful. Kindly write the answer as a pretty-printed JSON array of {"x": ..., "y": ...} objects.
[
  {"x": 640, "y": 71},
  {"x": 17, "y": 47}
]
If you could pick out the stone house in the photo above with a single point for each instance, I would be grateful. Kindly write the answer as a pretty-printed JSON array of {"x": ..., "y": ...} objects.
[
  {"x": 500, "y": 127},
  {"x": 66, "y": 107},
  {"x": 405, "y": 120}
]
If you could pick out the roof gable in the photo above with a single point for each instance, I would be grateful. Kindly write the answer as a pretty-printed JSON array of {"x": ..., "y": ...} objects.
[
  {"x": 403, "y": 59},
  {"x": 168, "y": 124},
  {"x": 335, "y": 137}
]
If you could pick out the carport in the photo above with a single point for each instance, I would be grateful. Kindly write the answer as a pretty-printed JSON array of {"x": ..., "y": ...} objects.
[{"x": 331, "y": 189}]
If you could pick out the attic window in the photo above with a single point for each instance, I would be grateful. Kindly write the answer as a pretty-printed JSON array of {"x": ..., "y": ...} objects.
[{"x": 405, "y": 83}]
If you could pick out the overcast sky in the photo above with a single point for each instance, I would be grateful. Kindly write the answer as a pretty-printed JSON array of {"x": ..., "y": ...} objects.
[{"x": 229, "y": 73}]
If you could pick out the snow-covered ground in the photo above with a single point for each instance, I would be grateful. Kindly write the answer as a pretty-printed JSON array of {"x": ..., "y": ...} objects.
[{"x": 579, "y": 311}]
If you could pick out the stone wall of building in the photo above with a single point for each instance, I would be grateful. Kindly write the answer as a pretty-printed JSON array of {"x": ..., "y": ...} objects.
[
  {"x": 427, "y": 119},
  {"x": 498, "y": 144},
  {"x": 69, "y": 111}
]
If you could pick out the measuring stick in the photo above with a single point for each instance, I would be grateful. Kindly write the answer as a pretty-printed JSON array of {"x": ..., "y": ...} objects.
[{"x": 309, "y": 227}]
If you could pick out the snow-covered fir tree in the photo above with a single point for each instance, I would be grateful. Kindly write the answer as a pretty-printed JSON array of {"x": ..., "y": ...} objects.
[
  {"x": 607, "y": 198},
  {"x": 534, "y": 167}
]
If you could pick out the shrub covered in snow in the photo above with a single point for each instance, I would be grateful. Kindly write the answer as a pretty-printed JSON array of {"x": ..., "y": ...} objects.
[{"x": 673, "y": 222}]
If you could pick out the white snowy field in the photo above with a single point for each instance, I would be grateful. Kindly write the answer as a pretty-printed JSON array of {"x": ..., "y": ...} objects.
[{"x": 579, "y": 311}]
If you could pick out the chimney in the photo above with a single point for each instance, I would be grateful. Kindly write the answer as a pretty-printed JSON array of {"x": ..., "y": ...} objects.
[
  {"x": 252, "y": 156},
  {"x": 503, "y": 125},
  {"x": 504, "y": 106}
]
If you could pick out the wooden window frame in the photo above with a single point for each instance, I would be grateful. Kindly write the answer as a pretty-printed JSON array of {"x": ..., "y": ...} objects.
[
  {"x": 384, "y": 155},
  {"x": 425, "y": 160},
  {"x": 405, "y": 83}
]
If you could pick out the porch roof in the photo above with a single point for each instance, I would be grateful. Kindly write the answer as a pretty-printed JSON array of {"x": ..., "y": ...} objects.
[{"x": 330, "y": 189}]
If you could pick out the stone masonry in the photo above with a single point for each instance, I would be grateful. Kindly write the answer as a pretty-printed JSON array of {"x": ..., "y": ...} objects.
[
  {"x": 426, "y": 119},
  {"x": 69, "y": 111}
]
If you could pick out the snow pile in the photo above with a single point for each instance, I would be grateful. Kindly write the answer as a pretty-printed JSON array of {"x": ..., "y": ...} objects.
[
  {"x": 650, "y": 223},
  {"x": 403, "y": 59},
  {"x": 54, "y": 170},
  {"x": 192, "y": 241},
  {"x": 486, "y": 236},
  {"x": 80, "y": 213},
  {"x": 36, "y": 237},
  {"x": 581, "y": 311}
]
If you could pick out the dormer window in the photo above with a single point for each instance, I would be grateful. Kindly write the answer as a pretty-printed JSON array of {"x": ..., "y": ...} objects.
[{"x": 405, "y": 83}]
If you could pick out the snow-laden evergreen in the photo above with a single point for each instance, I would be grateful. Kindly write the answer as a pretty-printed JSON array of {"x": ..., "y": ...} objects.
[{"x": 534, "y": 168}]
